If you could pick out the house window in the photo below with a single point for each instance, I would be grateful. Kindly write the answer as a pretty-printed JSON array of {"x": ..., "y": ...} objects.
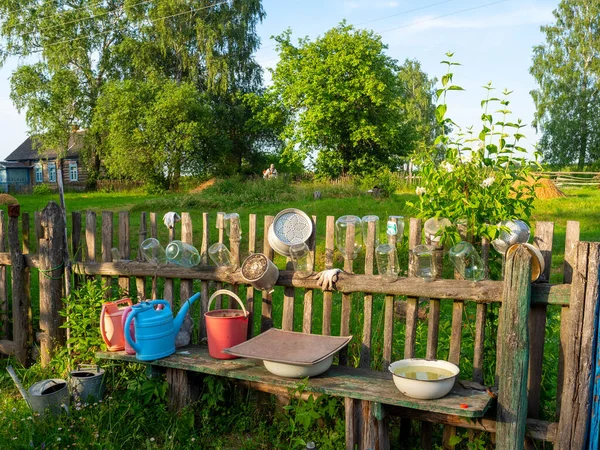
[
  {"x": 73, "y": 171},
  {"x": 39, "y": 175},
  {"x": 52, "y": 172}
]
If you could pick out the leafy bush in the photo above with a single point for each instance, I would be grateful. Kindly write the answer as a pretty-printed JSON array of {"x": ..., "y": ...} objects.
[
  {"x": 484, "y": 178},
  {"x": 42, "y": 189},
  {"x": 383, "y": 179},
  {"x": 82, "y": 312}
]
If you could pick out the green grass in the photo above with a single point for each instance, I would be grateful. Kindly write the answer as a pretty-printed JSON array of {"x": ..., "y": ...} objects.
[{"x": 262, "y": 198}]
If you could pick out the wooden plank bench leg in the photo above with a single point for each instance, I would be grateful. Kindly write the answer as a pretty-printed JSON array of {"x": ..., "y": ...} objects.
[{"x": 184, "y": 388}]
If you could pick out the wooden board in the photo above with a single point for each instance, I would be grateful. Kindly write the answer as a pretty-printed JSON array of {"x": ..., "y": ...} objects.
[
  {"x": 338, "y": 381},
  {"x": 483, "y": 291}
]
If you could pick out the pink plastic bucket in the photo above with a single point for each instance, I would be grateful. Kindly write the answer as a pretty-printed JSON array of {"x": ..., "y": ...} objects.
[{"x": 225, "y": 327}]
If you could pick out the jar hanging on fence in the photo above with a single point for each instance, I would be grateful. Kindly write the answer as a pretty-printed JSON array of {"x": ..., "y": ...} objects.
[
  {"x": 424, "y": 260},
  {"x": 182, "y": 254},
  {"x": 342, "y": 227},
  {"x": 467, "y": 261}
]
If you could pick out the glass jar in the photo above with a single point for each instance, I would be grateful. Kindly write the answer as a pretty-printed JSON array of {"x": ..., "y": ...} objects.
[
  {"x": 228, "y": 219},
  {"x": 433, "y": 228},
  {"x": 302, "y": 259},
  {"x": 424, "y": 261},
  {"x": 387, "y": 262},
  {"x": 467, "y": 261},
  {"x": 219, "y": 255},
  {"x": 395, "y": 227},
  {"x": 365, "y": 221},
  {"x": 347, "y": 228},
  {"x": 182, "y": 254},
  {"x": 153, "y": 252}
]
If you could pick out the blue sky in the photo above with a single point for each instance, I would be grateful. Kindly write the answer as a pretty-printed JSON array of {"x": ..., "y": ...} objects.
[{"x": 492, "y": 39}]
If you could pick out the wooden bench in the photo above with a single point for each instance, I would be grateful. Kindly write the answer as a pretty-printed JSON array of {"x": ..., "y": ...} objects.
[{"x": 370, "y": 395}]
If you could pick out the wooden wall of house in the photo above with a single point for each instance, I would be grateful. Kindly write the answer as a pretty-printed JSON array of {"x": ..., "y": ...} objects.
[{"x": 81, "y": 174}]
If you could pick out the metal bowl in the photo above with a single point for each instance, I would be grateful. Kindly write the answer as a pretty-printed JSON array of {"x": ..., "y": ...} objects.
[
  {"x": 519, "y": 234},
  {"x": 290, "y": 226},
  {"x": 537, "y": 259},
  {"x": 424, "y": 389}
]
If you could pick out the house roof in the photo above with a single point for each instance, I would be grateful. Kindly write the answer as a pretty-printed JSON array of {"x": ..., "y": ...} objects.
[
  {"x": 14, "y": 165},
  {"x": 28, "y": 151}
]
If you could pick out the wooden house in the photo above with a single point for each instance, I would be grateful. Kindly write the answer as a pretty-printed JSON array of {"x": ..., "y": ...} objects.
[{"x": 27, "y": 167}]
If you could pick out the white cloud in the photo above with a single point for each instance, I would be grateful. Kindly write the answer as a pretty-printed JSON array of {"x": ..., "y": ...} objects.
[
  {"x": 377, "y": 4},
  {"x": 527, "y": 15}
]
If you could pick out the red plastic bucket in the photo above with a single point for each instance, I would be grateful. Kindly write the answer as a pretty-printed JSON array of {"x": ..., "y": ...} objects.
[{"x": 225, "y": 327}]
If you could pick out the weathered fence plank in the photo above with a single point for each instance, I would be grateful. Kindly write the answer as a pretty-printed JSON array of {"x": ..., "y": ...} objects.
[
  {"x": 544, "y": 232},
  {"x": 250, "y": 291},
  {"x": 51, "y": 251},
  {"x": 204, "y": 286},
  {"x": 512, "y": 389},
  {"x": 6, "y": 330},
  {"x": 579, "y": 357},
  {"x": 186, "y": 287},
  {"x": 308, "y": 293},
  {"x": 328, "y": 295},
  {"x": 571, "y": 240},
  {"x": 124, "y": 247},
  {"x": 267, "y": 299},
  {"x": 140, "y": 282},
  {"x": 107, "y": 243}
]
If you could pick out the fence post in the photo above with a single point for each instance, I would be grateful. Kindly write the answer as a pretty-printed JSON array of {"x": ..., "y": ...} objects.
[
  {"x": 576, "y": 399},
  {"x": 20, "y": 307},
  {"x": 512, "y": 388},
  {"x": 51, "y": 254}
]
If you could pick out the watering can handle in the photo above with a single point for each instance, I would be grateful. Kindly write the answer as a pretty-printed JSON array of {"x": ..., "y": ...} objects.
[
  {"x": 160, "y": 302},
  {"x": 226, "y": 292},
  {"x": 130, "y": 317},
  {"x": 126, "y": 301}
]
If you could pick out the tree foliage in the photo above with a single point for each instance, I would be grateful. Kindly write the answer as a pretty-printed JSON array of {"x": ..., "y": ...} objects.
[
  {"x": 201, "y": 45},
  {"x": 567, "y": 70},
  {"x": 342, "y": 99}
]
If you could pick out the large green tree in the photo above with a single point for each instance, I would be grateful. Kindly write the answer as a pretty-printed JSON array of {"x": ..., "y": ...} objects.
[
  {"x": 343, "y": 101},
  {"x": 567, "y": 70},
  {"x": 418, "y": 94}
]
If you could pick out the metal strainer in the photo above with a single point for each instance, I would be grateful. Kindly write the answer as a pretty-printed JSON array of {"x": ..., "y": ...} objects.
[{"x": 291, "y": 226}]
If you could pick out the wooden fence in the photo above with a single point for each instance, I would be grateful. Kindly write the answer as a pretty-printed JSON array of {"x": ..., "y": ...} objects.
[
  {"x": 358, "y": 295},
  {"x": 573, "y": 179}
]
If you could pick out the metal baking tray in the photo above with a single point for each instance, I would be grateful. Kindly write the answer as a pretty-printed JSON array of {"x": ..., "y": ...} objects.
[{"x": 290, "y": 347}]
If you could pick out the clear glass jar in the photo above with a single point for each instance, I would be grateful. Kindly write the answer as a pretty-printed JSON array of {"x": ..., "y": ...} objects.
[
  {"x": 387, "y": 262},
  {"x": 153, "y": 252},
  {"x": 302, "y": 259},
  {"x": 347, "y": 227},
  {"x": 220, "y": 255},
  {"x": 365, "y": 221},
  {"x": 467, "y": 261},
  {"x": 424, "y": 261},
  {"x": 228, "y": 219},
  {"x": 182, "y": 254}
]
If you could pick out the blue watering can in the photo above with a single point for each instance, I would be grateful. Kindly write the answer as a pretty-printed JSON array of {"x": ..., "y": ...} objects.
[{"x": 155, "y": 329}]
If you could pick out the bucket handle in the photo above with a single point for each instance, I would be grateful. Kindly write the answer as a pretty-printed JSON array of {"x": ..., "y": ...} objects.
[
  {"x": 88, "y": 366},
  {"x": 226, "y": 292}
]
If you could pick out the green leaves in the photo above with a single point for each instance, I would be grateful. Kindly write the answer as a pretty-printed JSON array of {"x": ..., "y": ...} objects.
[
  {"x": 475, "y": 185},
  {"x": 440, "y": 112}
]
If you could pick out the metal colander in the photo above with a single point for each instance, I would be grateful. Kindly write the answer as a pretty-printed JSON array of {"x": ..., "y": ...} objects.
[
  {"x": 293, "y": 227},
  {"x": 290, "y": 227}
]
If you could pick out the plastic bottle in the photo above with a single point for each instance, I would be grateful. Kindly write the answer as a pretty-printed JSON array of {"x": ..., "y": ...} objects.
[{"x": 182, "y": 254}]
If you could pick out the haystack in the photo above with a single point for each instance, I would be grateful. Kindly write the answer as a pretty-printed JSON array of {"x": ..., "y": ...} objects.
[
  {"x": 545, "y": 188},
  {"x": 6, "y": 199},
  {"x": 203, "y": 186}
]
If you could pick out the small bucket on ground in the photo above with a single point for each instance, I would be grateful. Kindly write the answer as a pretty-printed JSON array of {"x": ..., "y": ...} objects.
[
  {"x": 87, "y": 382},
  {"x": 225, "y": 327}
]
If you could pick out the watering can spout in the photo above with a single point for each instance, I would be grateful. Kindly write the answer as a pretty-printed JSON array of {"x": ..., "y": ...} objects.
[{"x": 183, "y": 311}]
